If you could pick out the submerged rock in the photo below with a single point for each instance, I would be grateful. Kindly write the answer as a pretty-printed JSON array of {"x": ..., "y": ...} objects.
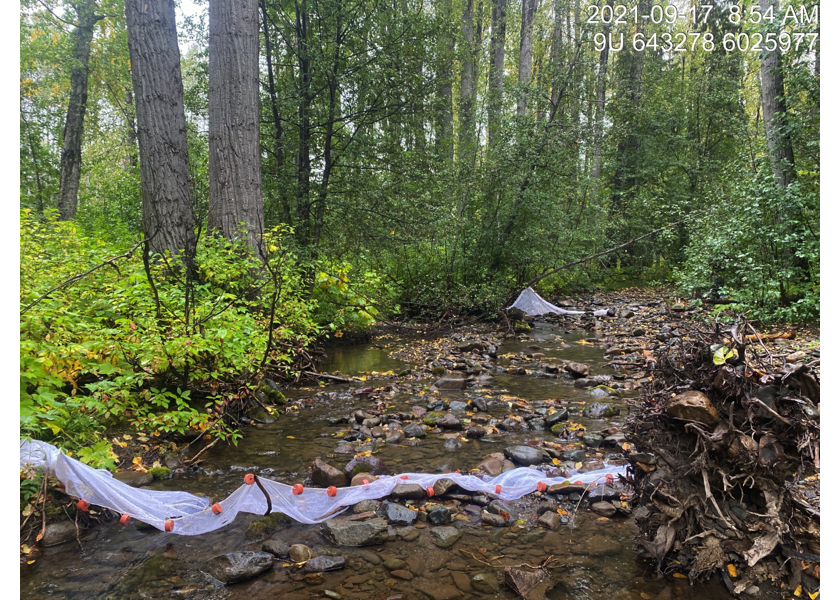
[
  {"x": 278, "y": 548},
  {"x": 321, "y": 564},
  {"x": 356, "y": 533},
  {"x": 238, "y": 566},
  {"x": 445, "y": 537},
  {"x": 397, "y": 514},
  {"x": 597, "y": 410},
  {"x": 300, "y": 553}
]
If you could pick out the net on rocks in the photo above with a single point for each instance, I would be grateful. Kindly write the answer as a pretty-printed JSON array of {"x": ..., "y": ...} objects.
[
  {"x": 531, "y": 304},
  {"x": 186, "y": 514}
]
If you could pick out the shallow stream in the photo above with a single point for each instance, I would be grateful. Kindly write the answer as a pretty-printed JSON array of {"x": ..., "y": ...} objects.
[{"x": 592, "y": 557}]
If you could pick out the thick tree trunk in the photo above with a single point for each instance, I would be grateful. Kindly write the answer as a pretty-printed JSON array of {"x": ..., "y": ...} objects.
[
  {"x": 779, "y": 147},
  {"x": 529, "y": 11},
  {"x": 168, "y": 218},
  {"x": 71, "y": 151},
  {"x": 235, "y": 164},
  {"x": 497, "y": 71}
]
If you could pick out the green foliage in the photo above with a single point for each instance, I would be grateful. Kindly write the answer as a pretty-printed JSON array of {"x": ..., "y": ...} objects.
[
  {"x": 110, "y": 348},
  {"x": 346, "y": 303},
  {"x": 759, "y": 246}
]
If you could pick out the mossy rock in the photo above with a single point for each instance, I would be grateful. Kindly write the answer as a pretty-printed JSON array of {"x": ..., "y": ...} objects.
[
  {"x": 438, "y": 370},
  {"x": 431, "y": 418},
  {"x": 264, "y": 527},
  {"x": 558, "y": 428},
  {"x": 272, "y": 392},
  {"x": 521, "y": 327},
  {"x": 160, "y": 472},
  {"x": 404, "y": 372}
]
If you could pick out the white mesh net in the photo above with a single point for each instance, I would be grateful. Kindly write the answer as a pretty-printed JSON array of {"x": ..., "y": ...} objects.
[
  {"x": 531, "y": 304},
  {"x": 191, "y": 515}
]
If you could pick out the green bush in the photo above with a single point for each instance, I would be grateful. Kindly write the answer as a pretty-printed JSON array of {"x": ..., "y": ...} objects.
[{"x": 113, "y": 349}]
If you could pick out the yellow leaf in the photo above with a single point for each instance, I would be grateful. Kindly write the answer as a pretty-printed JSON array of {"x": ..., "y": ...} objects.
[
  {"x": 25, "y": 549},
  {"x": 555, "y": 461},
  {"x": 815, "y": 595},
  {"x": 29, "y": 562},
  {"x": 733, "y": 572},
  {"x": 290, "y": 437},
  {"x": 798, "y": 591},
  {"x": 679, "y": 576}
]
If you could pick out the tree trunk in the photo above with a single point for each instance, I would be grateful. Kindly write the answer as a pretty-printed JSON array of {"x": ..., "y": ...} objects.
[
  {"x": 497, "y": 72},
  {"x": 235, "y": 163},
  {"x": 71, "y": 151},
  {"x": 275, "y": 112},
  {"x": 466, "y": 108},
  {"x": 443, "y": 127},
  {"x": 779, "y": 147},
  {"x": 168, "y": 218},
  {"x": 130, "y": 134},
  {"x": 600, "y": 105},
  {"x": 529, "y": 11},
  {"x": 304, "y": 161}
]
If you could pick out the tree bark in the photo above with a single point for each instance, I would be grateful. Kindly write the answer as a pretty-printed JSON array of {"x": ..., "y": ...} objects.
[
  {"x": 773, "y": 105},
  {"x": 600, "y": 105},
  {"x": 497, "y": 72},
  {"x": 275, "y": 111},
  {"x": 443, "y": 128},
  {"x": 304, "y": 161},
  {"x": 466, "y": 108},
  {"x": 235, "y": 163},
  {"x": 529, "y": 11},
  {"x": 71, "y": 151},
  {"x": 168, "y": 219}
]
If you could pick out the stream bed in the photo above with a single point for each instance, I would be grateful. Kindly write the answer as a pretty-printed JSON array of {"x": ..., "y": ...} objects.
[{"x": 590, "y": 557}]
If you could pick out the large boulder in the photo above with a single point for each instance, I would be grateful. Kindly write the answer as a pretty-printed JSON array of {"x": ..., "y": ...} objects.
[
  {"x": 325, "y": 475},
  {"x": 238, "y": 566},
  {"x": 692, "y": 406},
  {"x": 356, "y": 533}
]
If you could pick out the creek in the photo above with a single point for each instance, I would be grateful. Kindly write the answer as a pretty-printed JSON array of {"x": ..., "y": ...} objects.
[{"x": 593, "y": 558}]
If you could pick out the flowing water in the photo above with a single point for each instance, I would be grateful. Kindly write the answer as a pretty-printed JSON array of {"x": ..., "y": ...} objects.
[{"x": 592, "y": 558}]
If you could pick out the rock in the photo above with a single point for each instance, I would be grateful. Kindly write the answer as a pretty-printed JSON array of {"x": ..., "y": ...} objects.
[
  {"x": 265, "y": 526},
  {"x": 59, "y": 533},
  {"x": 795, "y": 356},
  {"x": 427, "y": 560},
  {"x": 556, "y": 417},
  {"x": 449, "y": 421},
  {"x": 491, "y": 466},
  {"x": 325, "y": 475},
  {"x": 238, "y": 566},
  {"x": 439, "y": 516},
  {"x": 485, "y": 583},
  {"x": 408, "y": 491},
  {"x": 321, "y": 564},
  {"x": 134, "y": 479},
  {"x": 367, "y": 464},
  {"x": 577, "y": 369},
  {"x": 524, "y": 455},
  {"x": 444, "y": 485},
  {"x": 451, "y": 383},
  {"x": 602, "y": 391},
  {"x": 414, "y": 430},
  {"x": 437, "y": 589},
  {"x": 360, "y": 478},
  {"x": 605, "y": 509},
  {"x": 356, "y": 533},
  {"x": 480, "y": 404},
  {"x": 332, "y": 594},
  {"x": 458, "y": 406},
  {"x": 692, "y": 406},
  {"x": 639, "y": 331},
  {"x": 549, "y": 520},
  {"x": 499, "y": 506},
  {"x": 402, "y": 574},
  {"x": 397, "y": 514},
  {"x": 565, "y": 489},
  {"x": 462, "y": 581},
  {"x": 513, "y": 424},
  {"x": 492, "y": 519},
  {"x": 394, "y": 564},
  {"x": 596, "y": 410},
  {"x": 604, "y": 492},
  {"x": 365, "y": 506},
  {"x": 574, "y": 455},
  {"x": 408, "y": 534},
  {"x": 299, "y": 553},
  {"x": 476, "y": 432},
  {"x": 277, "y": 548},
  {"x": 377, "y": 432},
  {"x": 593, "y": 440},
  {"x": 444, "y": 537},
  {"x": 395, "y": 437}
]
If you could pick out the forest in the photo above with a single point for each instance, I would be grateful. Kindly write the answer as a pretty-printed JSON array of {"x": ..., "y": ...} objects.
[{"x": 211, "y": 192}]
